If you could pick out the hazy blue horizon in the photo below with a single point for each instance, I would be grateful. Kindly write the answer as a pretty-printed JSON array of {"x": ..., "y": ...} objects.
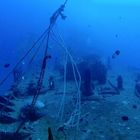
[{"x": 101, "y": 25}]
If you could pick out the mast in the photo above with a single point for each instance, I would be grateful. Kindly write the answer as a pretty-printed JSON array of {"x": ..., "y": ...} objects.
[{"x": 58, "y": 13}]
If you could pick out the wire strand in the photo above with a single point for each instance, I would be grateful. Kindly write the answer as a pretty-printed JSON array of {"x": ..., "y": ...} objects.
[{"x": 22, "y": 58}]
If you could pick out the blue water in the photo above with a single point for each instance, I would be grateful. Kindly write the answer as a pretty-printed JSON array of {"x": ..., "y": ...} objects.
[
  {"x": 91, "y": 27},
  {"x": 98, "y": 21}
]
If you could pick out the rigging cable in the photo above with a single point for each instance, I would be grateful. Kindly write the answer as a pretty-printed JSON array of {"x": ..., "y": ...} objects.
[
  {"x": 34, "y": 45},
  {"x": 43, "y": 35},
  {"x": 21, "y": 59},
  {"x": 61, "y": 110},
  {"x": 77, "y": 112},
  {"x": 53, "y": 19},
  {"x": 37, "y": 50}
]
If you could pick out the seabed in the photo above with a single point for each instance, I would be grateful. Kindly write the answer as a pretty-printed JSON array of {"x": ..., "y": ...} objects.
[{"x": 101, "y": 116}]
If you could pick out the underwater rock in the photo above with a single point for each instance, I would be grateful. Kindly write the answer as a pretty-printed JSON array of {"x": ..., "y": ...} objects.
[
  {"x": 6, "y": 119},
  {"x": 13, "y": 136}
]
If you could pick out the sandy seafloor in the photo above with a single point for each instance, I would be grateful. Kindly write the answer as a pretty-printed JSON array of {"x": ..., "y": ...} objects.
[{"x": 103, "y": 115}]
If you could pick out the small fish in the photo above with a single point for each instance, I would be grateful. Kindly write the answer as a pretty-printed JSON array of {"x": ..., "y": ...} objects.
[
  {"x": 6, "y": 65},
  {"x": 115, "y": 54}
]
